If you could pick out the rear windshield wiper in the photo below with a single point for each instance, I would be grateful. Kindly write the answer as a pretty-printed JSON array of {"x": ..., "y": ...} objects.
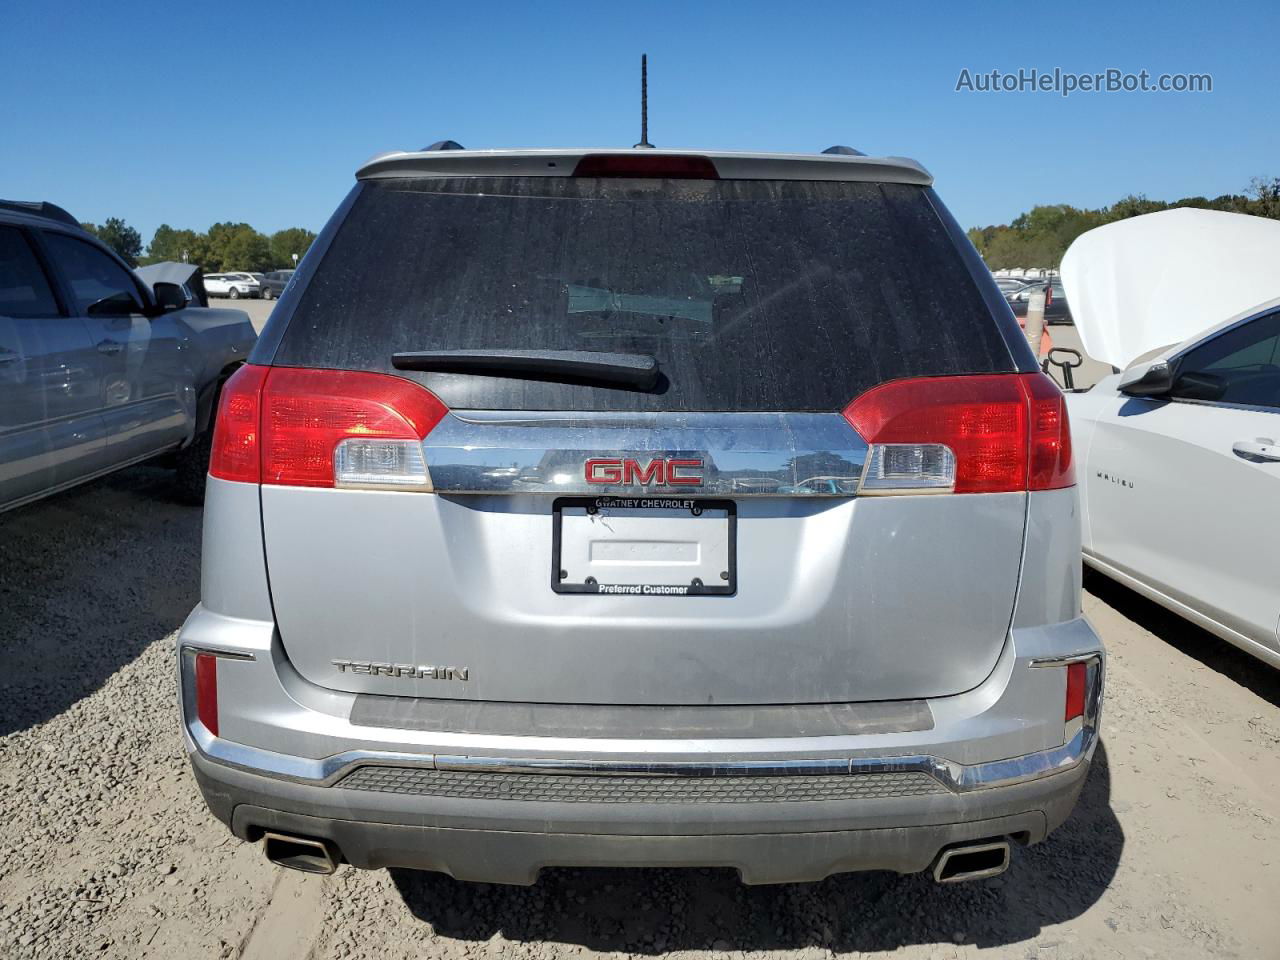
[{"x": 635, "y": 370}]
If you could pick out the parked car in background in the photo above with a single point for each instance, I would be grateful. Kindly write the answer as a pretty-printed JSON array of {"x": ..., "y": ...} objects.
[
  {"x": 648, "y": 574},
  {"x": 1056, "y": 308},
  {"x": 273, "y": 283},
  {"x": 1032, "y": 283},
  {"x": 97, "y": 370},
  {"x": 1010, "y": 286},
  {"x": 1180, "y": 453},
  {"x": 186, "y": 275},
  {"x": 233, "y": 285}
]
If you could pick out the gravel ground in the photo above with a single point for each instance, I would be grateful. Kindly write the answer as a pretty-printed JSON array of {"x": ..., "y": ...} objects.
[{"x": 106, "y": 850}]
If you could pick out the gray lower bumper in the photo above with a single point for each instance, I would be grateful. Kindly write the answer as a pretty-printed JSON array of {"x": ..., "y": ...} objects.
[{"x": 509, "y": 841}]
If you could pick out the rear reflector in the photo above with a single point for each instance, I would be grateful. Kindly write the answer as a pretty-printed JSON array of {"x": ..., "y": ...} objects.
[
  {"x": 207, "y": 691},
  {"x": 323, "y": 428},
  {"x": 1005, "y": 433},
  {"x": 1077, "y": 674},
  {"x": 646, "y": 165}
]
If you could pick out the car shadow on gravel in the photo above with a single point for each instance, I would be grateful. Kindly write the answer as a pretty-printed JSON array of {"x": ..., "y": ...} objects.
[
  {"x": 1183, "y": 635},
  {"x": 655, "y": 911},
  {"x": 89, "y": 579}
]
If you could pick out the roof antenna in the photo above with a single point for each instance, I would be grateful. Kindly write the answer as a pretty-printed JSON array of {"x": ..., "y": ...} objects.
[{"x": 644, "y": 103}]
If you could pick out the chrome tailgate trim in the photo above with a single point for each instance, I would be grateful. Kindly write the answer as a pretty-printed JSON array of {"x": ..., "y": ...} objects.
[{"x": 707, "y": 454}]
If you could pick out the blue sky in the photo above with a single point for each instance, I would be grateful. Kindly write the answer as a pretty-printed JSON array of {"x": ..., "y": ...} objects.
[{"x": 260, "y": 112}]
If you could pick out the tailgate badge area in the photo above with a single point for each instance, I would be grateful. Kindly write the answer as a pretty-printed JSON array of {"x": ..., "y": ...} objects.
[
  {"x": 405, "y": 670},
  {"x": 658, "y": 472}
]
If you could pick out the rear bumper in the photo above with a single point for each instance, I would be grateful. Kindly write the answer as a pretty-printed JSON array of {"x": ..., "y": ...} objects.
[
  {"x": 510, "y": 841},
  {"x": 499, "y": 807}
]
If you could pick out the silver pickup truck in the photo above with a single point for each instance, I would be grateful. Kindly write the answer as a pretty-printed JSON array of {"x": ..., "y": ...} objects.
[{"x": 98, "y": 370}]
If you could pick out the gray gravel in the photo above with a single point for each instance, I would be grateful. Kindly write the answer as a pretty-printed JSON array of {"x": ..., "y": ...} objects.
[
  {"x": 104, "y": 841},
  {"x": 106, "y": 849}
]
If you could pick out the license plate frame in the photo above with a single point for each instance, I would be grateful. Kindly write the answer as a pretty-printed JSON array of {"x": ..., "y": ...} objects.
[{"x": 693, "y": 505}]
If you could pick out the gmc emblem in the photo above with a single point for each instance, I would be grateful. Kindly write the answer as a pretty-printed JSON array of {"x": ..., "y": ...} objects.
[{"x": 660, "y": 472}]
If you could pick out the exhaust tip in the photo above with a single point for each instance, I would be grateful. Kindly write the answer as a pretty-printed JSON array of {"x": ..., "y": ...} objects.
[
  {"x": 973, "y": 861},
  {"x": 300, "y": 853}
]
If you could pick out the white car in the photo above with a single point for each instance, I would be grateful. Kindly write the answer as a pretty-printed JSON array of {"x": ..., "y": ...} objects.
[
  {"x": 233, "y": 285},
  {"x": 1179, "y": 455}
]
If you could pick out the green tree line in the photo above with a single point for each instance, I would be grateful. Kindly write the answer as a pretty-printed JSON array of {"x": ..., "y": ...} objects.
[
  {"x": 1039, "y": 237},
  {"x": 120, "y": 237},
  {"x": 224, "y": 246}
]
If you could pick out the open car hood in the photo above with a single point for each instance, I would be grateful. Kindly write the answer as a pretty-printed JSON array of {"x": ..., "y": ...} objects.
[{"x": 1151, "y": 281}]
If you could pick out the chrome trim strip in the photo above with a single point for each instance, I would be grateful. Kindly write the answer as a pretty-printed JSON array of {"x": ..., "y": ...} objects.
[
  {"x": 220, "y": 652},
  {"x": 960, "y": 778},
  {"x": 320, "y": 773},
  {"x": 957, "y": 777},
  {"x": 741, "y": 454},
  {"x": 1064, "y": 660}
]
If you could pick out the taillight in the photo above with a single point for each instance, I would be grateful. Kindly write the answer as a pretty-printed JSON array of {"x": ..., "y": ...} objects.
[
  {"x": 324, "y": 428},
  {"x": 235, "y": 453},
  {"x": 1051, "y": 467},
  {"x": 1077, "y": 676},
  {"x": 207, "y": 691},
  {"x": 967, "y": 434},
  {"x": 308, "y": 415},
  {"x": 640, "y": 164}
]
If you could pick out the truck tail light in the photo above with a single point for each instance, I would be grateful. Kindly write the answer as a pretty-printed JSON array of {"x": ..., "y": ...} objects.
[
  {"x": 323, "y": 428},
  {"x": 968, "y": 434}
]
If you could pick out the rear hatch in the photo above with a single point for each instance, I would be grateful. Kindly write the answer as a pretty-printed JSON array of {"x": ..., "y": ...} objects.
[{"x": 582, "y": 526}]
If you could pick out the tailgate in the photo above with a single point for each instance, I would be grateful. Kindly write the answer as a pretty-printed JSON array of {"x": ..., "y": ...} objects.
[{"x": 459, "y": 594}]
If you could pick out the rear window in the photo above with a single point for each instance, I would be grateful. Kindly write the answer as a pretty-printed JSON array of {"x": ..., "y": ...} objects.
[{"x": 752, "y": 295}]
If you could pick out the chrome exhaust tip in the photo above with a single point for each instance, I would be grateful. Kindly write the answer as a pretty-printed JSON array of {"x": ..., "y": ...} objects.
[
  {"x": 300, "y": 853},
  {"x": 976, "y": 861}
]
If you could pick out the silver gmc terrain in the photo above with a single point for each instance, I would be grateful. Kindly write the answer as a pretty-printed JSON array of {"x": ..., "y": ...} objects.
[{"x": 641, "y": 508}]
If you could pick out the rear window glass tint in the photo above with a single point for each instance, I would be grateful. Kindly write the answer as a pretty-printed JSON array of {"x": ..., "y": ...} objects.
[
  {"x": 24, "y": 289},
  {"x": 752, "y": 295}
]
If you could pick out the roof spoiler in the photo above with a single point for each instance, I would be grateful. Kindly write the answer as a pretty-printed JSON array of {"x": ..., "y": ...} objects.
[{"x": 442, "y": 160}]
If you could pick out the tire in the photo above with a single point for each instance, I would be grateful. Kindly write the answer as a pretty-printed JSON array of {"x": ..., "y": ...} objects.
[
  {"x": 192, "y": 465},
  {"x": 268, "y": 294},
  {"x": 234, "y": 294}
]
